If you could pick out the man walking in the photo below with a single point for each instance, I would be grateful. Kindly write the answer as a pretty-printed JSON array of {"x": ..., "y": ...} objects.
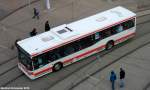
[
  {"x": 122, "y": 76},
  {"x": 16, "y": 42},
  {"x": 36, "y": 13},
  {"x": 113, "y": 78}
]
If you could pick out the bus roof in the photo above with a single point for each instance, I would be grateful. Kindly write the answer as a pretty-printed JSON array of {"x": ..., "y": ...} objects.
[{"x": 67, "y": 32}]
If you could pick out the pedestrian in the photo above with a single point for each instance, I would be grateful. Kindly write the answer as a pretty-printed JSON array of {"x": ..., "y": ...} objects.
[
  {"x": 33, "y": 32},
  {"x": 113, "y": 78},
  {"x": 16, "y": 42},
  {"x": 47, "y": 26},
  {"x": 122, "y": 76},
  {"x": 36, "y": 13}
]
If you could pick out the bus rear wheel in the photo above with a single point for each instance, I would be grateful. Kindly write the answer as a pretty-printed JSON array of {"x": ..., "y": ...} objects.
[
  {"x": 109, "y": 45},
  {"x": 57, "y": 67}
]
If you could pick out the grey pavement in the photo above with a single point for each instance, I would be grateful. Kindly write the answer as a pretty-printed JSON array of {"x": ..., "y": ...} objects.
[
  {"x": 20, "y": 23},
  {"x": 137, "y": 70}
]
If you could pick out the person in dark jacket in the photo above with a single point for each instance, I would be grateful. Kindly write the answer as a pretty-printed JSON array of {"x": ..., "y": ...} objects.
[
  {"x": 33, "y": 32},
  {"x": 16, "y": 42},
  {"x": 113, "y": 78},
  {"x": 122, "y": 76},
  {"x": 47, "y": 26}
]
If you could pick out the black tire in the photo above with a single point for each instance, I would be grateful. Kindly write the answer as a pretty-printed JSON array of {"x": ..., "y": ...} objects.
[
  {"x": 109, "y": 45},
  {"x": 57, "y": 67}
]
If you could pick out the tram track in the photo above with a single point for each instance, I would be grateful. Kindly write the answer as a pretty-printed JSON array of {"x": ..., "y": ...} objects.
[
  {"x": 6, "y": 61},
  {"x": 8, "y": 68},
  {"x": 104, "y": 53},
  {"x": 8, "y": 65},
  {"x": 14, "y": 78}
]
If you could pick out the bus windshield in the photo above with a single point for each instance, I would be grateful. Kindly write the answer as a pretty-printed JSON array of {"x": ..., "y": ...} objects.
[{"x": 25, "y": 59}]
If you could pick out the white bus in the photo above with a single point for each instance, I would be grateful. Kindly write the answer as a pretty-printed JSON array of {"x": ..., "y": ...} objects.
[{"x": 68, "y": 43}]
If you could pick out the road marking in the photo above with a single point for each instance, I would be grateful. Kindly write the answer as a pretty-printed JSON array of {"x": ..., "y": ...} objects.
[
  {"x": 4, "y": 47},
  {"x": 93, "y": 78},
  {"x": 3, "y": 27}
]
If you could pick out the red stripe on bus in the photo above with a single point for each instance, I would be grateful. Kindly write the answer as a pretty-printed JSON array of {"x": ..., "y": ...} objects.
[
  {"x": 122, "y": 38},
  {"x": 35, "y": 54},
  {"x": 47, "y": 69},
  {"x": 81, "y": 55},
  {"x": 88, "y": 52},
  {"x": 69, "y": 60}
]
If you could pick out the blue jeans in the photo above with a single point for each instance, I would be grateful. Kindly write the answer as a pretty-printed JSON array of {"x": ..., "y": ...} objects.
[
  {"x": 113, "y": 85},
  {"x": 121, "y": 83}
]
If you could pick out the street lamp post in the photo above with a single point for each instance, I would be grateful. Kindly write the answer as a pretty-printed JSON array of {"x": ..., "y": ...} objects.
[
  {"x": 48, "y": 4},
  {"x": 29, "y": 2}
]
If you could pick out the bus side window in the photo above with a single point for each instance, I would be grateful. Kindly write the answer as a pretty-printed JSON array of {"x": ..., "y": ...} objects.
[
  {"x": 40, "y": 61},
  {"x": 69, "y": 50},
  {"x": 119, "y": 28},
  {"x": 53, "y": 56},
  {"x": 86, "y": 42},
  {"x": 97, "y": 36},
  {"x": 113, "y": 30},
  {"x": 76, "y": 46},
  {"x": 50, "y": 57},
  {"x": 129, "y": 24},
  {"x": 106, "y": 33}
]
